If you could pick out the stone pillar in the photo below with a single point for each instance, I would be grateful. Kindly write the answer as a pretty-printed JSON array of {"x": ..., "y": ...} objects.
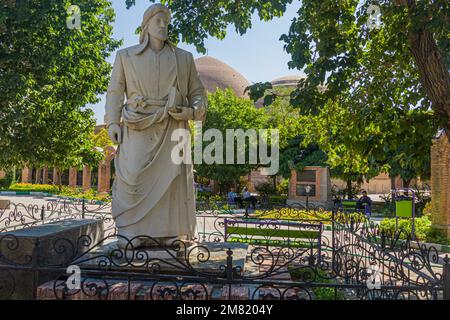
[
  {"x": 72, "y": 177},
  {"x": 26, "y": 175},
  {"x": 86, "y": 178},
  {"x": 440, "y": 183},
  {"x": 56, "y": 177},
  {"x": 45, "y": 175},
  {"x": 292, "y": 191},
  {"x": 104, "y": 176},
  {"x": 108, "y": 176},
  {"x": 398, "y": 183},
  {"x": 38, "y": 176}
]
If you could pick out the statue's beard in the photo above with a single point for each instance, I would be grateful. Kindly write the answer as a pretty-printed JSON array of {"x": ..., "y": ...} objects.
[
  {"x": 158, "y": 36},
  {"x": 144, "y": 39}
]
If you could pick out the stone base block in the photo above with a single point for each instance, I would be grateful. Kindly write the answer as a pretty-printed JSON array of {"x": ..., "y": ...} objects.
[
  {"x": 25, "y": 253},
  {"x": 4, "y": 204}
]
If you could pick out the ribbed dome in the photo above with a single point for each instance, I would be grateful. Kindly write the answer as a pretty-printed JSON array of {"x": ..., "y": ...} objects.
[
  {"x": 216, "y": 74},
  {"x": 286, "y": 81},
  {"x": 289, "y": 81}
]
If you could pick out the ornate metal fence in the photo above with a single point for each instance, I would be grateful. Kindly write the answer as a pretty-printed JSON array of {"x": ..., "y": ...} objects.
[
  {"x": 397, "y": 268},
  {"x": 20, "y": 215},
  {"x": 349, "y": 259}
]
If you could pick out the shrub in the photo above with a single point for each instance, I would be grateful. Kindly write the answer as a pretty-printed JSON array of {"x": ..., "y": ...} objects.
[
  {"x": 78, "y": 193},
  {"x": 266, "y": 188},
  {"x": 423, "y": 229},
  {"x": 203, "y": 194},
  {"x": 435, "y": 235},
  {"x": 428, "y": 209},
  {"x": 283, "y": 187},
  {"x": 317, "y": 276},
  {"x": 277, "y": 199},
  {"x": 7, "y": 180},
  {"x": 65, "y": 191}
]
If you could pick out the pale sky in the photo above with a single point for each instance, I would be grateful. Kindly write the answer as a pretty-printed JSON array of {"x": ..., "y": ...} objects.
[{"x": 258, "y": 55}]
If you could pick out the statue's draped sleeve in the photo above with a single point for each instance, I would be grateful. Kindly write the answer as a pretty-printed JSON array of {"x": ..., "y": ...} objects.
[
  {"x": 115, "y": 95},
  {"x": 196, "y": 92}
]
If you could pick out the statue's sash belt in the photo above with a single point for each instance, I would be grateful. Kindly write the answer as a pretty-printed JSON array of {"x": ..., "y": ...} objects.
[{"x": 140, "y": 113}]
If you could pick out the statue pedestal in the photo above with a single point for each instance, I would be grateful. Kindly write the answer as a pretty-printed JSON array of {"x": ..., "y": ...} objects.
[
  {"x": 149, "y": 253},
  {"x": 206, "y": 257},
  {"x": 32, "y": 256}
]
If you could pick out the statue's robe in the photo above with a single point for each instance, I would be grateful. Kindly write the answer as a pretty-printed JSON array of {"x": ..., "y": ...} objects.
[{"x": 152, "y": 195}]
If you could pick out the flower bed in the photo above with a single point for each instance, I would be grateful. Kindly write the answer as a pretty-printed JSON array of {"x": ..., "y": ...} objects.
[
  {"x": 65, "y": 191},
  {"x": 295, "y": 214}
]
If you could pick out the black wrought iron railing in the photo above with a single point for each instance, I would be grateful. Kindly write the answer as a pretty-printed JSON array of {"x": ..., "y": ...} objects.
[{"x": 263, "y": 254}]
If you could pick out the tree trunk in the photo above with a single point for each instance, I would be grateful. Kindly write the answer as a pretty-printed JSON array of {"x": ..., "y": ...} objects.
[
  {"x": 393, "y": 183},
  {"x": 58, "y": 179},
  {"x": 406, "y": 183},
  {"x": 349, "y": 189},
  {"x": 433, "y": 72},
  {"x": 14, "y": 175}
]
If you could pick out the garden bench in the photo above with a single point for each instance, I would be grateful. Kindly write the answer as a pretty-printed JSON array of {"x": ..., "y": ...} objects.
[
  {"x": 349, "y": 205},
  {"x": 232, "y": 203},
  {"x": 274, "y": 233}
]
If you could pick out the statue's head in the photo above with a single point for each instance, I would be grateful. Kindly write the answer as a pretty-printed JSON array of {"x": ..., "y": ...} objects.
[{"x": 155, "y": 22}]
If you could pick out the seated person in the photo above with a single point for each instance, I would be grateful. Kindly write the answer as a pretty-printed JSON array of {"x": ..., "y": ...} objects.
[
  {"x": 404, "y": 196},
  {"x": 364, "y": 203},
  {"x": 337, "y": 202},
  {"x": 249, "y": 198},
  {"x": 232, "y": 198}
]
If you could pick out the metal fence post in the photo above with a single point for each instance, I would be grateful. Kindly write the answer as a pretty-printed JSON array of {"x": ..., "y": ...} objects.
[
  {"x": 42, "y": 213},
  {"x": 229, "y": 271},
  {"x": 35, "y": 266},
  {"x": 333, "y": 240},
  {"x": 83, "y": 208},
  {"x": 446, "y": 278}
]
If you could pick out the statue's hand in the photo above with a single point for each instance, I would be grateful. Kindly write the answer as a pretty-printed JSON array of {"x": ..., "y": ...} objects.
[
  {"x": 184, "y": 115},
  {"x": 115, "y": 133}
]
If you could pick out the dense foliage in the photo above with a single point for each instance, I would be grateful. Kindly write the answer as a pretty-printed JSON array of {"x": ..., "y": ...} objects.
[{"x": 49, "y": 74}]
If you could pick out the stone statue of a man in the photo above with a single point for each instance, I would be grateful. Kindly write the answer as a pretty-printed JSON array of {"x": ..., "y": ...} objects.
[{"x": 152, "y": 195}]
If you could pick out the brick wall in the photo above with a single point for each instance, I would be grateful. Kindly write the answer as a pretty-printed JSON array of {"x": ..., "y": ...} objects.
[{"x": 440, "y": 183}]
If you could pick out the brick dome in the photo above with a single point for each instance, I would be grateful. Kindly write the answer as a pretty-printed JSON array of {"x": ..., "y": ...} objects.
[{"x": 216, "y": 74}]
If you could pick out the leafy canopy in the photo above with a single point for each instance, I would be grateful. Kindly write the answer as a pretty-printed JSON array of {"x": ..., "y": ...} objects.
[{"x": 49, "y": 73}]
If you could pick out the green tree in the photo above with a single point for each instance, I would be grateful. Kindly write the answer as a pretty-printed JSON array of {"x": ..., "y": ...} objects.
[
  {"x": 294, "y": 154},
  {"x": 101, "y": 139},
  {"x": 399, "y": 70},
  {"x": 406, "y": 59},
  {"x": 49, "y": 74},
  {"x": 404, "y": 63},
  {"x": 193, "y": 21},
  {"x": 360, "y": 144},
  {"x": 227, "y": 111}
]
